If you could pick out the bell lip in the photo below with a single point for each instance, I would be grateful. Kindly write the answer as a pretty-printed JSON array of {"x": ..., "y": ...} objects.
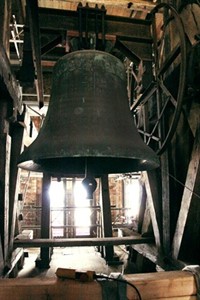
[{"x": 76, "y": 166}]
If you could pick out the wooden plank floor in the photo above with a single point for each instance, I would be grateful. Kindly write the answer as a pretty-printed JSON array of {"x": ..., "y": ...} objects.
[{"x": 79, "y": 258}]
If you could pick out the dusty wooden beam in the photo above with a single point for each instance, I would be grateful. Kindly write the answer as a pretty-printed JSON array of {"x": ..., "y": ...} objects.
[
  {"x": 5, "y": 16},
  {"x": 191, "y": 180},
  {"x": 68, "y": 20},
  {"x": 130, "y": 54},
  {"x": 106, "y": 216},
  {"x": 153, "y": 204},
  {"x": 165, "y": 203},
  {"x": 32, "y": 9},
  {"x": 144, "y": 4},
  {"x": 161, "y": 285},
  {"x": 74, "y": 242},
  {"x": 43, "y": 261},
  {"x": 9, "y": 87}
]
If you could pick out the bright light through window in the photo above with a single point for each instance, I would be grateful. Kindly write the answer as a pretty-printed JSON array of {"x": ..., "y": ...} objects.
[
  {"x": 80, "y": 194},
  {"x": 132, "y": 198},
  {"x": 56, "y": 193},
  {"x": 82, "y": 213}
]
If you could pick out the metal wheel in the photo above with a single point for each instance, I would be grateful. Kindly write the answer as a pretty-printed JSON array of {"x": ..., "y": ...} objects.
[{"x": 158, "y": 108}]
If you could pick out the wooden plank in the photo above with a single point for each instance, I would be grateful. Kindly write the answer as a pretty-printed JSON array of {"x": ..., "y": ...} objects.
[
  {"x": 148, "y": 251},
  {"x": 161, "y": 285},
  {"x": 32, "y": 9},
  {"x": 68, "y": 20},
  {"x": 5, "y": 16},
  {"x": 106, "y": 216},
  {"x": 4, "y": 191},
  {"x": 165, "y": 203},
  {"x": 45, "y": 219},
  {"x": 190, "y": 16},
  {"x": 9, "y": 87},
  {"x": 192, "y": 175},
  {"x": 74, "y": 242},
  {"x": 1, "y": 258},
  {"x": 119, "y": 4},
  {"x": 16, "y": 256},
  {"x": 154, "y": 212},
  {"x": 140, "y": 48},
  {"x": 16, "y": 131}
]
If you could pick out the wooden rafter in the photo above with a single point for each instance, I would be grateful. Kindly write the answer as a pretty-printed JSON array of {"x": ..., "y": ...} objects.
[
  {"x": 191, "y": 180},
  {"x": 32, "y": 9}
]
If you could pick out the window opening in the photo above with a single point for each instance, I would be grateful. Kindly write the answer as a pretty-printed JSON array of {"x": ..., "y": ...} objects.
[
  {"x": 56, "y": 193},
  {"x": 83, "y": 211}
]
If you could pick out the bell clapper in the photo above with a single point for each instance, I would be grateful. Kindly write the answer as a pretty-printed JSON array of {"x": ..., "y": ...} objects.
[{"x": 89, "y": 182}]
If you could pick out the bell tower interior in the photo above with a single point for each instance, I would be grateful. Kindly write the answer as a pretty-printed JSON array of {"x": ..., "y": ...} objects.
[{"x": 99, "y": 135}]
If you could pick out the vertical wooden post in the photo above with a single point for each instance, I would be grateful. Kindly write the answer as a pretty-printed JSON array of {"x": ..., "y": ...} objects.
[
  {"x": 152, "y": 198},
  {"x": 45, "y": 253},
  {"x": 192, "y": 180},
  {"x": 65, "y": 213},
  {"x": 17, "y": 132},
  {"x": 165, "y": 204},
  {"x": 106, "y": 216},
  {"x": 5, "y": 142},
  {"x": 5, "y": 15}
]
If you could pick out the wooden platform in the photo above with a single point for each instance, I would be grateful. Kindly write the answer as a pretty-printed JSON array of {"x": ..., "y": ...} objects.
[{"x": 173, "y": 285}]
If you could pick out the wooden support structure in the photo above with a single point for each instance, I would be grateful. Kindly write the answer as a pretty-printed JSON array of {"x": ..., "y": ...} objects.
[
  {"x": 161, "y": 285},
  {"x": 10, "y": 104},
  {"x": 192, "y": 180},
  {"x": 5, "y": 15},
  {"x": 44, "y": 259},
  {"x": 106, "y": 216},
  {"x": 134, "y": 33},
  {"x": 16, "y": 131},
  {"x": 150, "y": 184},
  {"x": 4, "y": 177},
  {"x": 74, "y": 242},
  {"x": 165, "y": 203},
  {"x": 32, "y": 9},
  {"x": 9, "y": 86}
]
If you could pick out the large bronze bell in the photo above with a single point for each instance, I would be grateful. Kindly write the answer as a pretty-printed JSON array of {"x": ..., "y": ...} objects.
[{"x": 88, "y": 127}]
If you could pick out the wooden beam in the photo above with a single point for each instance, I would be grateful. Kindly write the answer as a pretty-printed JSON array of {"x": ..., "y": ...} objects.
[
  {"x": 88, "y": 242},
  {"x": 9, "y": 87},
  {"x": 159, "y": 285},
  {"x": 151, "y": 190},
  {"x": 126, "y": 51},
  {"x": 165, "y": 203},
  {"x": 106, "y": 216},
  {"x": 5, "y": 146},
  {"x": 32, "y": 9},
  {"x": 142, "y": 4},
  {"x": 163, "y": 285},
  {"x": 5, "y": 143},
  {"x": 5, "y": 16},
  {"x": 192, "y": 176},
  {"x": 16, "y": 131},
  {"x": 62, "y": 20},
  {"x": 27, "y": 70},
  {"x": 43, "y": 261}
]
